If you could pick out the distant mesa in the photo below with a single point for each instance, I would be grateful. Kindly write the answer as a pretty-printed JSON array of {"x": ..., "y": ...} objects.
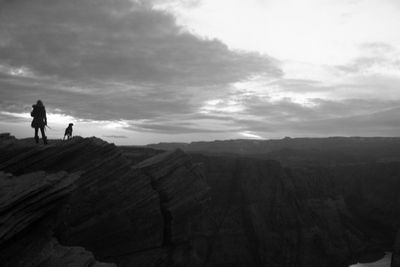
[
  {"x": 115, "y": 136},
  {"x": 326, "y": 151}
]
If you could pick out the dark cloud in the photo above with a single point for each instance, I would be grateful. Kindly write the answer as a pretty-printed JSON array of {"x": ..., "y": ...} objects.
[
  {"x": 121, "y": 60},
  {"x": 116, "y": 40},
  {"x": 324, "y": 118},
  {"x": 111, "y": 60},
  {"x": 164, "y": 127},
  {"x": 186, "y": 124}
]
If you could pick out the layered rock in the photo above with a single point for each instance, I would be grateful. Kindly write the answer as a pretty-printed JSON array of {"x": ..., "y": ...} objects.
[
  {"x": 27, "y": 198},
  {"x": 182, "y": 189},
  {"x": 264, "y": 215},
  {"x": 138, "y": 207},
  {"x": 371, "y": 194},
  {"x": 27, "y": 204},
  {"x": 396, "y": 251},
  {"x": 122, "y": 213},
  {"x": 42, "y": 251}
]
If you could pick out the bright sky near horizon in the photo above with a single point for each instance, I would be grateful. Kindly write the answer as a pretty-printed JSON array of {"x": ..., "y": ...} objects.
[{"x": 137, "y": 72}]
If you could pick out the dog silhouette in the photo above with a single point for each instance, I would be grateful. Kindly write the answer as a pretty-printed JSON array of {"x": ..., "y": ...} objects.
[{"x": 68, "y": 131}]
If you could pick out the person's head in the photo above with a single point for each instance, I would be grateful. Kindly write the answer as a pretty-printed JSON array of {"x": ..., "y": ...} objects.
[
  {"x": 39, "y": 103},
  {"x": 71, "y": 124}
]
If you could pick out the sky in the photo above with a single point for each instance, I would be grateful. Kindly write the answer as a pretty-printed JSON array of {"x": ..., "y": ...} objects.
[{"x": 148, "y": 71}]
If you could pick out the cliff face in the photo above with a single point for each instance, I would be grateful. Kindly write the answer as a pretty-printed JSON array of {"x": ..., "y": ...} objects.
[
  {"x": 27, "y": 212},
  {"x": 310, "y": 216},
  {"x": 141, "y": 207},
  {"x": 371, "y": 191},
  {"x": 126, "y": 214},
  {"x": 264, "y": 215}
]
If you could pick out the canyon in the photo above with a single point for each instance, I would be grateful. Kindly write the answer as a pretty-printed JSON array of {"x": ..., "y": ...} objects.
[{"x": 103, "y": 205}]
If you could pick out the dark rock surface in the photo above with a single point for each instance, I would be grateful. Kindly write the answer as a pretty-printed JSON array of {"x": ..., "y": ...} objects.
[
  {"x": 264, "y": 215},
  {"x": 27, "y": 198},
  {"x": 135, "y": 206},
  {"x": 396, "y": 251},
  {"x": 27, "y": 203},
  {"x": 295, "y": 151},
  {"x": 122, "y": 213},
  {"x": 363, "y": 173},
  {"x": 309, "y": 216},
  {"x": 6, "y": 137},
  {"x": 371, "y": 191}
]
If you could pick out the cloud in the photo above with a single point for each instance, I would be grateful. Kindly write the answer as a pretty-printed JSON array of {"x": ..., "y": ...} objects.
[
  {"x": 376, "y": 58},
  {"x": 325, "y": 118},
  {"x": 116, "y": 40},
  {"x": 112, "y": 60},
  {"x": 129, "y": 67},
  {"x": 186, "y": 124}
]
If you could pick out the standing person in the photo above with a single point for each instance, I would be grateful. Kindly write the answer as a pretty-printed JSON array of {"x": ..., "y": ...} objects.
[{"x": 39, "y": 120}]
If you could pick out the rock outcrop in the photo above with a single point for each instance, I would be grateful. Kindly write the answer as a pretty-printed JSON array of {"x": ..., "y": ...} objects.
[
  {"x": 6, "y": 137},
  {"x": 27, "y": 204},
  {"x": 27, "y": 198},
  {"x": 124, "y": 213}
]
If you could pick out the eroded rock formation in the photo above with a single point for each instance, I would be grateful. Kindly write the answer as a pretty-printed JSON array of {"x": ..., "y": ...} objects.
[
  {"x": 139, "y": 207},
  {"x": 125, "y": 214},
  {"x": 264, "y": 215},
  {"x": 28, "y": 205},
  {"x": 27, "y": 198}
]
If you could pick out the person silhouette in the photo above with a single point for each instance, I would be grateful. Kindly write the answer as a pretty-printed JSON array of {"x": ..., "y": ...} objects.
[{"x": 39, "y": 120}]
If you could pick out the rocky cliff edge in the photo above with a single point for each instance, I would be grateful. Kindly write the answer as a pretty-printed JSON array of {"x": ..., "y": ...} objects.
[{"x": 94, "y": 197}]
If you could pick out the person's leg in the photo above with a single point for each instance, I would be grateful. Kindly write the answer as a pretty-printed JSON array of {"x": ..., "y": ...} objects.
[
  {"x": 43, "y": 135},
  {"x": 36, "y": 135}
]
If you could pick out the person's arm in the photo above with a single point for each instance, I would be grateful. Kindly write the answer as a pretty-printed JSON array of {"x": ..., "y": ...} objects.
[{"x": 45, "y": 118}]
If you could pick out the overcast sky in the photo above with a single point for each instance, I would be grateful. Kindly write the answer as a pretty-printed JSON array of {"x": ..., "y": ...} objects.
[{"x": 137, "y": 72}]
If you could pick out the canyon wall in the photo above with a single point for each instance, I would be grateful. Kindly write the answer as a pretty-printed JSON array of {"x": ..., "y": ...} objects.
[{"x": 90, "y": 201}]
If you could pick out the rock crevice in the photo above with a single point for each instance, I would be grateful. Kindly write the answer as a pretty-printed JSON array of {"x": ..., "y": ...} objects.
[{"x": 119, "y": 210}]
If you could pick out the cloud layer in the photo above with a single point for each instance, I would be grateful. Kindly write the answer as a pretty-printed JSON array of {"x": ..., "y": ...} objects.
[
  {"x": 121, "y": 51},
  {"x": 132, "y": 68}
]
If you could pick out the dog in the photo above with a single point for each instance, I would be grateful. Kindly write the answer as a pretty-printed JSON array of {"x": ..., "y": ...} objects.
[{"x": 68, "y": 131}]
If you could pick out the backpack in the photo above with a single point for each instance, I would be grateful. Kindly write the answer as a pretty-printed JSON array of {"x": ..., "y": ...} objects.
[
  {"x": 33, "y": 112},
  {"x": 38, "y": 112}
]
